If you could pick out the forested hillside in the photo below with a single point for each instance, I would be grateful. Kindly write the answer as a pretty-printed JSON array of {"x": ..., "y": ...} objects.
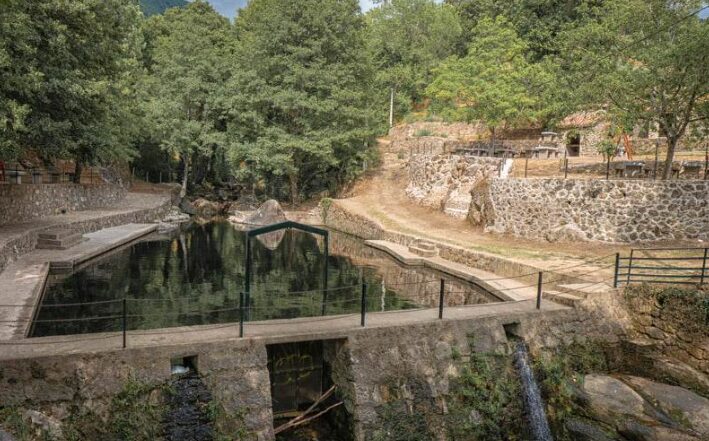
[
  {"x": 152, "y": 7},
  {"x": 287, "y": 102}
]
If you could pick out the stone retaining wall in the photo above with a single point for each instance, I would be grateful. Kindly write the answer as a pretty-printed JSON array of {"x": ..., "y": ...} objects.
[
  {"x": 27, "y": 241},
  {"x": 365, "y": 362},
  {"x": 22, "y": 203},
  {"x": 614, "y": 211},
  {"x": 664, "y": 324},
  {"x": 444, "y": 181},
  {"x": 340, "y": 218}
]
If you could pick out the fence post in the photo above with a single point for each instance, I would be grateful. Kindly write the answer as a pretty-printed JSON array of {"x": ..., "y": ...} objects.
[
  {"x": 125, "y": 320},
  {"x": 241, "y": 314},
  {"x": 539, "y": 290},
  {"x": 630, "y": 266},
  {"x": 704, "y": 266},
  {"x": 526, "y": 164},
  {"x": 657, "y": 151},
  {"x": 566, "y": 168},
  {"x": 440, "y": 299},
  {"x": 363, "y": 307},
  {"x": 617, "y": 268}
]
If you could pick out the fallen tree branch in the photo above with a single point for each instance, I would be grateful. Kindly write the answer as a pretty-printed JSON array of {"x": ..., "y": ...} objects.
[
  {"x": 297, "y": 420},
  {"x": 291, "y": 424}
]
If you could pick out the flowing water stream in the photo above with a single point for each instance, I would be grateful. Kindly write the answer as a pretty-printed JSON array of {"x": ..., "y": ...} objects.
[{"x": 533, "y": 403}]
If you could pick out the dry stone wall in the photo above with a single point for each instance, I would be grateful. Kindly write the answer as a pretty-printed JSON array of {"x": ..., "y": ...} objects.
[
  {"x": 21, "y": 203},
  {"x": 614, "y": 211},
  {"x": 445, "y": 181}
]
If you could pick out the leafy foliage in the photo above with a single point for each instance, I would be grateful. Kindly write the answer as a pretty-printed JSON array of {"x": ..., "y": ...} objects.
[
  {"x": 188, "y": 67},
  {"x": 494, "y": 82},
  {"x": 407, "y": 39},
  {"x": 300, "y": 98},
  {"x": 486, "y": 403},
  {"x": 646, "y": 60}
]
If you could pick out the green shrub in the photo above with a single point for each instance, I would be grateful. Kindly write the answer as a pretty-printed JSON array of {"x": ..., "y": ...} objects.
[
  {"x": 423, "y": 132},
  {"x": 486, "y": 401}
]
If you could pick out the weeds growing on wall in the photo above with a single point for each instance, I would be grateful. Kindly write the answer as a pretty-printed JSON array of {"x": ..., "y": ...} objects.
[
  {"x": 686, "y": 308},
  {"x": 485, "y": 401},
  {"x": 409, "y": 413}
]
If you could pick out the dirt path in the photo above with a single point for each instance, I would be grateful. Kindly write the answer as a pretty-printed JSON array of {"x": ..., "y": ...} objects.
[{"x": 381, "y": 196}]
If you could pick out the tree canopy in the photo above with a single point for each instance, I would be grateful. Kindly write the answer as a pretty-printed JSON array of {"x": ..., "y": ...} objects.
[
  {"x": 300, "y": 95},
  {"x": 646, "y": 61},
  {"x": 494, "y": 82}
]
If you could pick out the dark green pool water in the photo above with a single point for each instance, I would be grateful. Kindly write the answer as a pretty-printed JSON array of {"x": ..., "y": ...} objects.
[{"x": 194, "y": 277}]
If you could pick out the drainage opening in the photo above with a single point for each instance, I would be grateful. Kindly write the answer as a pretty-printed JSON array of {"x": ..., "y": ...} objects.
[
  {"x": 183, "y": 365},
  {"x": 512, "y": 331},
  {"x": 308, "y": 383}
]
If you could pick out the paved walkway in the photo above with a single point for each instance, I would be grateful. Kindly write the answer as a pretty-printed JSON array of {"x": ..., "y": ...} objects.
[
  {"x": 22, "y": 282},
  {"x": 302, "y": 329}
]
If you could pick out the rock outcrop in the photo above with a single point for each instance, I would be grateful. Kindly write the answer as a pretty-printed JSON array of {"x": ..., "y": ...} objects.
[{"x": 640, "y": 410}]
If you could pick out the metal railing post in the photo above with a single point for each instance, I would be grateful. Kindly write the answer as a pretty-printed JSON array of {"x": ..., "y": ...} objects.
[
  {"x": 125, "y": 322},
  {"x": 363, "y": 306},
  {"x": 539, "y": 290},
  {"x": 241, "y": 314},
  {"x": 617, "y": 269},
  {"x": 608, "y": 167},
  {"x": 441, "y": 299},
  {"x": 704, "y": 266},
  {"x": 630, "y": 267}
]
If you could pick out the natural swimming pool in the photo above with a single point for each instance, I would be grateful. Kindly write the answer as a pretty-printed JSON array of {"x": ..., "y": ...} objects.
[{"x": 194, "y": 276}]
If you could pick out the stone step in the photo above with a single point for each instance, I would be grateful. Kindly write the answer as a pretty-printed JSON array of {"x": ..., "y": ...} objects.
[
  {"x": 583, "y": 290},
  {"x": 562, "y": 298},
  {"x": 423, "y": 248},
  {"x": 60, "y": 244},
  {"x": 423, "y": 252},
  {"x": 56, "y": 234}
]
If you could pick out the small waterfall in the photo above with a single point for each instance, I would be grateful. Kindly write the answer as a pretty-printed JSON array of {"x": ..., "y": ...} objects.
[{"x": 533, "y": 402}]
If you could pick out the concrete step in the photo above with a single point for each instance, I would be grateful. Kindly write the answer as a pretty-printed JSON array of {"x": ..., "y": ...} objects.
[
  {"x": 423, "y": 248},
  {"x": 56, "y": 234},
  {"x": 60, "y": 244},
  {"x": 583, "y": 290},
  {"x": 423, "y": 252},
  {"x": 562, "y": 298}
]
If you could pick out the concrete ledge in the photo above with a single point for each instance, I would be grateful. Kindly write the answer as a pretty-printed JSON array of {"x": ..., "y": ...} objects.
[
  {"x": 23, "y": 281},
  {"x": 504, "y": 289}
]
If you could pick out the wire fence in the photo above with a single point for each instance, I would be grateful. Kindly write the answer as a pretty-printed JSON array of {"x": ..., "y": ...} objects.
[{"x": 321, "y": 303}]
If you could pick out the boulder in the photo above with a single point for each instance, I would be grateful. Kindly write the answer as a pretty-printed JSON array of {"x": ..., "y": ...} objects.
[
  {"x": 267, "y": 214},
  {"x": 582, "y": 430},
  {"x": 187, "y": 207},
  {"x": 207, "y": 208},
  {"x": 682, "y": 405},
  {"x": 634, "y": 431},
  {"x": 610, "y": 400},
  {"x": 46, "y": 423},
  {"x": 270, "y": 212}
]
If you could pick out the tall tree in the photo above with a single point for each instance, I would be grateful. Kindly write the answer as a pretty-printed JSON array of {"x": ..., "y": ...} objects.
[
  {"x": 71, "y": 65},
  {"x": 188, "y": 65},
  {"x": 647, "y": 61},
  {"x": 19, "y": 78},
  {"x": 301, "y": 94},
  {"x": 538, "y": 22},
  {"x": 494, "y": 82},
  {"x": 407, "y": 39}
]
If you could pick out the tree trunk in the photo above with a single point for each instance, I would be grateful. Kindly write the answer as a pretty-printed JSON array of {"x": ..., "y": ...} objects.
[
  {"x": 293, "y": 179},
  {"x": 671, "y": 146},
  {"x": 391, "y": 108},
  {"x": 492, "y": 143},
  {"x": 77, "y": 172},
  {"x": 185, "y": 170}
]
